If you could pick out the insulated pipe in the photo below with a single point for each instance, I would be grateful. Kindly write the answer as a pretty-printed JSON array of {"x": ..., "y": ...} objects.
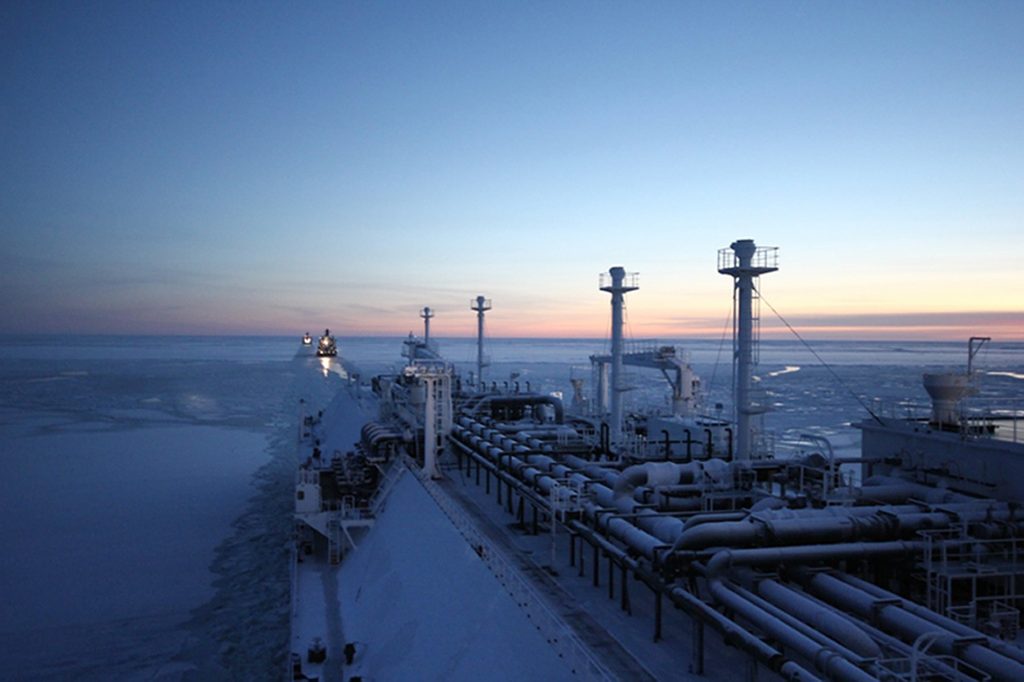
[
  {"x": 891, "y": 643},
  {"x": 910, "y": 627},
  {"x": 659, "y": 475},
  {"x": 679, "y": 504},
  {"x": 797, "y": 673},
  {"x": 523, "y": 400},
  {"x": 758, "y": 529},
  {"x": 731, "y": 631},
  {"x": 1005, "y": 648},
  {"x": 901, "y": 492},
  {"x": 634, "y": 537},
  {"x": 768, "y": 504},
  {"x": 979, "y": 510},
  {"x": 819, "y": 618},
  {"x": 833, "y": 512},
  {"x": 663, "y": 530},
  {"x": 713, "y": 517},
  {"x": 825, "y": 659},
  {"x": 668, "y": 529},
  {"x": 726, "y": 558},
  {"x": 918, "y": 488},
  {"x": 648, "y": 545},
  {"x": 652, "y": 474},
  {"x": 810, "y": 630}
]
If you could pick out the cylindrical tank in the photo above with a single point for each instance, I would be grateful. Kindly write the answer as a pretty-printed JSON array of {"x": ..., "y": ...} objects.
[{"x": 946, "y": 391}]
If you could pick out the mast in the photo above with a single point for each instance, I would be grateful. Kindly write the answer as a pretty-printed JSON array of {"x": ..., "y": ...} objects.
[
  {"x": 618, "y": 287},
  {"x": 744, "y": 261},
  {"x": 426, "y": 314},
  {"x": 480, "y": 305}
]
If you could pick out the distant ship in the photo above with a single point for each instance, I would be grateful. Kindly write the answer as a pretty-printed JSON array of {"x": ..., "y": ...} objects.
[
  {"x": 326, "y": 347},
  {"x": 459, "y": 530},
  {"x": 307, "y": 340}
]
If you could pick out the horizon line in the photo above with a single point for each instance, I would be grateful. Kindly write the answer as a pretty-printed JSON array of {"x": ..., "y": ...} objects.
[{"x": 391, "y": 335}]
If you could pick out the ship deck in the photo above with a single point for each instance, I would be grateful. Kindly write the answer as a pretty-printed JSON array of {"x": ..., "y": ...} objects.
[
  {"x": 622, "y": 640},
  {"x": 476, "y": 563}
]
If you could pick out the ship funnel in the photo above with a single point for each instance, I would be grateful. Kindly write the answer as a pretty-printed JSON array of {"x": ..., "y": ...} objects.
[{"x": 946, "y": 391}]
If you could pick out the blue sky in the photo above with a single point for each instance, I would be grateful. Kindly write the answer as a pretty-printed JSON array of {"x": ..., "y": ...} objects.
[{"x": 271, "y": 167}]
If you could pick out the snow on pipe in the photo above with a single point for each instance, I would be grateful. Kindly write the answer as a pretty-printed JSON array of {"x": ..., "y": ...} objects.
[
  {"x": 648, "y": 544},
  {"x": 662, "y": 529},
  {"x": 909, "y": 626},
  {"x": 658, "y": 474},
  {"x": 636, "y": 538},
  {"x": 891, "y": 521},
  {"x": 494, "y": 436},
  {"x": 896, "y": 522},
  {"x": 665, "y": 528},
  {"x": 523, "y": 400},
  {"x": 670, "y": 530}
]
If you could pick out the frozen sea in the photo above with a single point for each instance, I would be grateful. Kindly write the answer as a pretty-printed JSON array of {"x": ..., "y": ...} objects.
[{"x": 146, "y": 481}]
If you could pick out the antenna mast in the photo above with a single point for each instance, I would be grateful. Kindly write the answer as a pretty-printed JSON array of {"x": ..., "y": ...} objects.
[
  {"x": 480, "y": 305},
  {"x": 744, "y": 261},
  {"x": 426, "y": 314},
  {"x": 619, "y": 285}
]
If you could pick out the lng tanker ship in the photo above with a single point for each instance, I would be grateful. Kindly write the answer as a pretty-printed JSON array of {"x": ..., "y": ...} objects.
[{"x": 451, "y": 528}]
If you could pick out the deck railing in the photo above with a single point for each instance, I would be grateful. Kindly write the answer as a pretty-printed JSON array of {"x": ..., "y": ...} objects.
[{"x": 996, "y": 418}]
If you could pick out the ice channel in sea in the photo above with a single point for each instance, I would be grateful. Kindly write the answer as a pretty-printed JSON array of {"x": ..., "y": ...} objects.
[{"x": 145, "y": 513}]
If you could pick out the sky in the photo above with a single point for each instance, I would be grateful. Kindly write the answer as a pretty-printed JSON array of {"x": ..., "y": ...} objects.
[{"x": 272, "y": 168}]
